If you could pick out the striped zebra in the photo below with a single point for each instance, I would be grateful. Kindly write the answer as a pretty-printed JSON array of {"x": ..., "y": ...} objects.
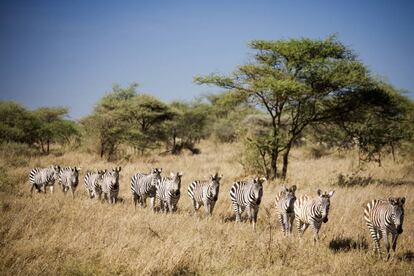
[
  {"x": 168, "y": 192},
  {"x": 69, "y": 179},
  {"x": 43, "y": 177},
  {"x": 92, "y": 183},
  {"x": 312, "y": 211},
  {"x": 247, "y": 194},
  {"x": 110, "y": 185},
  {"x": 205, "y": 193},
  {"x": 284, "y": 203},
  {"x": 384, "y": 217},
  {"x": 144, "y": 185}
]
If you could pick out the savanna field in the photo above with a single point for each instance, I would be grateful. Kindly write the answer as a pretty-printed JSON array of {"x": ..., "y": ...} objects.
[{"x": 55, "y": 234}]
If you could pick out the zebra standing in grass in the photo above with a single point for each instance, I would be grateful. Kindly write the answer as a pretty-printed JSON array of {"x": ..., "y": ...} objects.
[
  {"x": 247, "y": 194},
  {"x": 168, "y": 192},
  {"x": 384, "y": 217},
  {"x": 144, "y": 185},
  {"x": 205, "y": 193},
  {"x": 43, "y": 177},
  {"x": 284, "y": 203},
  {"x": 312, "y": 211},
  {"x": 69, "y": 179},
  {"x": 110, "y": 185},
  {"x": 92, "y": 183}
]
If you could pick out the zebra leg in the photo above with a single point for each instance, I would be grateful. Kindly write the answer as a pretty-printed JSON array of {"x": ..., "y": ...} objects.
[
  {"x": 51, "y": 189},
  {"x": 394, "y": 242},
  {"x": 237, "y": 211},
  {"x": 31, "y": 190},
  {"x": 316, "y": 227},
  {"x": 285, "y": 223},
  {"x": 387, "y": 243},
  {"x": 290, "y": 221},
  {"x": 303, "y": 229},
  {"x": 280, "y": 218},
  {"x": 152, "y": 203},
  {"x": 299, "y": 226},
  {"x": 73, "y": 192},
  {"x": 254, "y": 211}
]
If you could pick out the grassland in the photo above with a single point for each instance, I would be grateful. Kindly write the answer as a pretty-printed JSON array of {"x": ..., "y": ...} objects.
[{"x": 53, "y": 234}]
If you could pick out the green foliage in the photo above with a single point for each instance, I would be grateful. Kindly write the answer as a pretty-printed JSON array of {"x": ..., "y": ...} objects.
[
  {"x": 53, "y": 127},
  {"x": 298, "y": 83},
  {"x": 123, "y": 116},
  {"x": 17, "y": 124}
]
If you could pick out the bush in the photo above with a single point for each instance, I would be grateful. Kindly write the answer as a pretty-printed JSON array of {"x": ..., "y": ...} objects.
[{"x": 353, "y": 180}]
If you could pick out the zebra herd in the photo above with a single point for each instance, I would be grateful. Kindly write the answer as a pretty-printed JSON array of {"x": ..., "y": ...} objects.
[{"x": 383, "y": 217}]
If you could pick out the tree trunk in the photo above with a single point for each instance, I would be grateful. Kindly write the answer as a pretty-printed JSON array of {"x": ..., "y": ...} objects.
[
  {"x": 102, "y": 149},
  {"x": 42, "y": 146},
  {"x": 48, "y": 145},
  {"x": 286, "y": 160},
  {"x": 273, "y": 164}
]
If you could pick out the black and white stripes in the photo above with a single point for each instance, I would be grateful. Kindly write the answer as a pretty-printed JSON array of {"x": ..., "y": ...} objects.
[
  {"x": 205, "y": 193},
  {"x": 110, "y": 184},
  {"x": 69, "y": 179},
  {"x": 247, "y": 195},
  {"x": 43, "y": 177},
  {"x": 144, "y": 185},
  {"x": 168, "y": 192},
  {"x": 312, "y": 211},
  {"x": 384, "y": 217},
  {"x": 284, "y": 203}
]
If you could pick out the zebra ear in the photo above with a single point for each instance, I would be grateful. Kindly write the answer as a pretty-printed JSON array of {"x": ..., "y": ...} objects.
[
  {"x": 402, "y": 200},
  {"x": 180, "y": 174},
  {"x": 294, "y": 188},
  {"x": 391, "y": 200},
  {"x": 331, "y": 193},
  {"x": 160, "y": 170},
  {"x": 319, "y": 192},
  {"x": 172, "y": 174},
  {"x": 119, "y": 169}
]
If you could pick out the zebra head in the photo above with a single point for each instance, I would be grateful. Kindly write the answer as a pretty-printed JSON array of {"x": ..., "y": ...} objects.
[
  {"x": 324, "y": 203},
  {"x": 156, "y": 176},
  {"x": 74, "y": 177},
  {"x": 175, "y": 182},
  {"x": 397, "y": 212},
  {"x": 56, "y": 171},
  {"x": 257, "y": 188},
  {"x": 290, "y": 197},
  {"x": 113, "y": 175},
  {"x": 215, "y": 185}
]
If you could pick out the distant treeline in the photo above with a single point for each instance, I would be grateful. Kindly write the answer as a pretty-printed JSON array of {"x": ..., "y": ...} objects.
[{"x": 293, "y": 91}]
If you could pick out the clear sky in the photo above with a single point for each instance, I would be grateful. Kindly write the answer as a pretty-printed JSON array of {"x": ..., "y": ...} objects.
[{"x": 68, "y": 53}]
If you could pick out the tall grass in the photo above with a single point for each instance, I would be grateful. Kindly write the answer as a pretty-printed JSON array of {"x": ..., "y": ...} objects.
[{"x": 53, "y": 234}]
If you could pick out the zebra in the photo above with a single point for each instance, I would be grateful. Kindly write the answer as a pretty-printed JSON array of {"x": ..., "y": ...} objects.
[
  {"x": 284, "y": 202},
  {"x": 39, "y": 177},
  {"x": 247, "y": 194},
  {"x": 69, "y": 179},
  {"x": 205, "y": 193},
  {"x": 144, "y": 185},
  {"x": 312, "y": 211},
  {"x": 92, "y": 183},
  {"x": 110, "y": 185},
  {"x": 168, "y": 192},
  {"x": 382, "y": 218}
]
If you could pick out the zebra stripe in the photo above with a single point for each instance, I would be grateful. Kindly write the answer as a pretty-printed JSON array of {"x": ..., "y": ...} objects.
[
  {"x": 284, "y": 203},
  {"x": 43, "y": 177},
  {"x": 312, "y": 211},
  {"x": 144, "y": 185},
  {"x": 205, "y": 193},
  {"x": 384, "y": 217},
  {"x": 110, "y": 185},
  {"x": 168, "y": 192},
  {"x": 69, "y": 179},
  {"x": 247, "y": 194},
  {"x": 92, "y": 183}
]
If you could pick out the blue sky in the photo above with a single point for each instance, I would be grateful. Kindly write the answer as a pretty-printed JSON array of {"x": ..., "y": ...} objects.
[{"x": 68, "y": 53}]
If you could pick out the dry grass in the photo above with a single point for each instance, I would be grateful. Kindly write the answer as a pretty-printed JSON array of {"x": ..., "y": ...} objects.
[{"x": 56, "y": 235}]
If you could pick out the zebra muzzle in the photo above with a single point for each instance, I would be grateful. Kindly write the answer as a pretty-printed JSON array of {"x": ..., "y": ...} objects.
[
  {"x": 325, "y": 219},
  {"x": 399, "y": 229}
]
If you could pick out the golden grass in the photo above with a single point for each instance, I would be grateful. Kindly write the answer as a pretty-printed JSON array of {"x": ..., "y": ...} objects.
[{"x": 54, "y": 234}]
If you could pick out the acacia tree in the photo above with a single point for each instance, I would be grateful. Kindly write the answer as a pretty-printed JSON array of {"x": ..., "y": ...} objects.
[
  {"x": 54, "y": 128},
  {"x": 296, "y": 82}
]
